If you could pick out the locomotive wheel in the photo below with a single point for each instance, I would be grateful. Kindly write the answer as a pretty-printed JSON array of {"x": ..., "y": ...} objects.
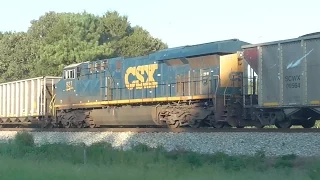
[
  {"x": 175, "y": 125},
  {"x": 240, "y": 127},
  {"x": 258, "y": 125},
  {"x": 80, "y": 124},
  {"x": 50, "y": 126},
  {"x": 283, "y": 124},
  {"x": 68, "y": 125},
  {"x": 218, "y": 124},
  {"x": 193, "y": 123},
  {"x": 47, "y": 125},
  {"x": 308, "y": 123},
  {"x": 196, "y": 124}
]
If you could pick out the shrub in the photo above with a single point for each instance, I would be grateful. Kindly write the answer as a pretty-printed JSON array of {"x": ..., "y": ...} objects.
[
  {"x": 285, "y": 161},
  {"x": 142, "y": 148},
  {"x": 24, "y": 139}
]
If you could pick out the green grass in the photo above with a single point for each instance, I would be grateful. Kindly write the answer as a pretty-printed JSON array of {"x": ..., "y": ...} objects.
[
  {"x": 21, "y": 159},
  {"x": 30, "y": 169}
]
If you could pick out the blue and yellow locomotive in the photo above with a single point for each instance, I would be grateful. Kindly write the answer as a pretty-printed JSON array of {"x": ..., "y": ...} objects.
[{"x": 184, "y": 86}]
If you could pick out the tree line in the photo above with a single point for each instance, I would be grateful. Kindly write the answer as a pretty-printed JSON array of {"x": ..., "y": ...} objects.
[{"x": 59, "y": 39}]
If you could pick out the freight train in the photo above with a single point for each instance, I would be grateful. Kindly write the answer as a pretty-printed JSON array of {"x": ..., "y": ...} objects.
[{"x": 228, "y": 83}]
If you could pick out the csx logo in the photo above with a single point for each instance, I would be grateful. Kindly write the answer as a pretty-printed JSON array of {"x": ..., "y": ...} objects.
[{"x": 137, "y": 73}]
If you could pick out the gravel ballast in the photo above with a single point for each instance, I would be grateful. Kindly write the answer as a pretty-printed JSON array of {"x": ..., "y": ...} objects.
[{"x": 302, "y": 144}]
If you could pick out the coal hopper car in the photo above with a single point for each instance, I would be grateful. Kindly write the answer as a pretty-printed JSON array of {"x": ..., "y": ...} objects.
[
  {"x": 287, "y": 90},
  {"x": 27, "y": 102}
]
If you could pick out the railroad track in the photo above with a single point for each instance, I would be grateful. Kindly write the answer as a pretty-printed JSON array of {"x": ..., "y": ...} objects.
[{"x": 156, "y": 130}]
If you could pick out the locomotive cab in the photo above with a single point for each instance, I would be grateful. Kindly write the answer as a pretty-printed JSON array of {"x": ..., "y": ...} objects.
[
  {"x": 70, "y": 75},
  {"x": 66, "y": 88}
]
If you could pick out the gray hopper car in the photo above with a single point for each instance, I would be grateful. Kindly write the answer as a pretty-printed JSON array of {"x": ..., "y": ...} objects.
[
  {"x": 27, "y": 100},
  {"x": 287, "y": 85}
]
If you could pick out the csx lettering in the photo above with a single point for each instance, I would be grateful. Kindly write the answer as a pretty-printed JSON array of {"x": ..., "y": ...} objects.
[{"x": 140, "y": 81}]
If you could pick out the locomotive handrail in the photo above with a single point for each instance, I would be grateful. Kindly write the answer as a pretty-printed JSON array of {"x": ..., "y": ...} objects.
[
  {"x": 224, "y": 95},
  {"x": 217, "y": 86},
  {"x": 215, "y": 93},
  {"x": 51, "y": 106}
]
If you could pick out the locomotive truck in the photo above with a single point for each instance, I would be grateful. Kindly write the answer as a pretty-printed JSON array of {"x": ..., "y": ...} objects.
[{"x": 227, "y": 83}]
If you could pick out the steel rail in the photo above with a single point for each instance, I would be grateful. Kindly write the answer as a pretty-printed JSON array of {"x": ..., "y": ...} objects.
[{"x": 158, "y": 130}]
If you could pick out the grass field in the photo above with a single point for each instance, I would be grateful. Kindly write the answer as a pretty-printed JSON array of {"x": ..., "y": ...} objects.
[{"x": 21, "y": 159}]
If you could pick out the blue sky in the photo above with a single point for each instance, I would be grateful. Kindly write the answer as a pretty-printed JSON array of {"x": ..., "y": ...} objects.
[{"x": 188, "y": 22}]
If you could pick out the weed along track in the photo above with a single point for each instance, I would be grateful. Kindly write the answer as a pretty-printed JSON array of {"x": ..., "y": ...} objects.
[
  {"x": 208, "y": 141},
  {"x": 139, "y": 152}
]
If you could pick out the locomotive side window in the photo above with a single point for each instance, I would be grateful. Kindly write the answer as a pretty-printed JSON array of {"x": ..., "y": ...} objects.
[
  {"x": 118, "y": 65},
  {"x": 97, "y": 66},
  {"x": 89, "y": 67},
  {"x": 104, "y": 65},
  {"x": 69, "y": 74}
]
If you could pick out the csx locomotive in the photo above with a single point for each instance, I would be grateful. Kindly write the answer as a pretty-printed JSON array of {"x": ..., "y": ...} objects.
[{"x": 227, "y": 83}]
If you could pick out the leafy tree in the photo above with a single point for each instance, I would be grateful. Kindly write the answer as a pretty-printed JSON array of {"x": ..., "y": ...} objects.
[
  {"x": 14, "y": 56},
  {"x": 69, "y": 38},
  {"x": 138, "y": 43},
  {"x": 114, "y": 27},
  {"x": 59, "y": 39}
]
